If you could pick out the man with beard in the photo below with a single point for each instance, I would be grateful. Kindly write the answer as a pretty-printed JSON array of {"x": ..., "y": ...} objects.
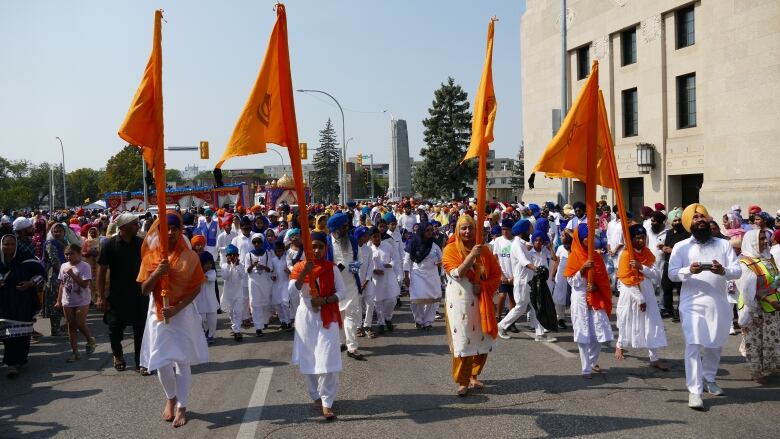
[
  {"x": 703, "y": 265},
  {"x": 676, "y": 234},
  {"x": 344, "y": 256},
  {"x": 23, "y": 227},
  {"x": 579, "y": 216}
]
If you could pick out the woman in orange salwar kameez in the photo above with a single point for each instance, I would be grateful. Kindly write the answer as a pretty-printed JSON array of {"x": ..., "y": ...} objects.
[{"x": 473, "y": 276}]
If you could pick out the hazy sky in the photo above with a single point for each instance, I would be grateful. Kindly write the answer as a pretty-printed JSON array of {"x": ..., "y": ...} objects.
[{"x": 70, "y": 69}]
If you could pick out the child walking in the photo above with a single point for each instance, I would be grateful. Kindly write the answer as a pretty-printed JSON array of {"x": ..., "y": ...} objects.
[
  {"x": 206, "y": 301},
  {"x": 280, "y": 296},
  {"x": 73, "y": 299},
  {"x": 235, "y": 277}
]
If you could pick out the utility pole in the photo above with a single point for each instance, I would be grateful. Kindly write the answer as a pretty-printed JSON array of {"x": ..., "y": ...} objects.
[
  {"x": 564, "y": 105},
  {"x": 372, "y": 176}
]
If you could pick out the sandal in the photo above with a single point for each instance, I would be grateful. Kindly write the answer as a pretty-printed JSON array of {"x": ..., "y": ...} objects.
[
  {"x": 73, "y": 358},
  {"x": 119, "y": 364},
  {"x": 463, "y": 391},
  {"x": 596, "y": 368},
  {"x": 660, "y": 366},
  {"x": 91, "y": 345}
]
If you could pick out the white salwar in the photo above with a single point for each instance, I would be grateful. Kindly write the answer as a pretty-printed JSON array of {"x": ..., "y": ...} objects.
[
  {"x": 591, "y": 327},
  {"x": 232, "y": 298},
  {"x": 365, "y": 257},
  {"x": 316, "y": 348},
  {"x": 521, "y": 275},
  {"x": 561, "y": 289},
  {"x": 639, "y": 329},
  {"x": 207, "y": 305},
  {"x": 350, "y": 304},
  {"x": 280, "y": 294},
  {"x": 424, "y": 285},
  {"x": 260, "y": 288},
  {"x": 705, "y": 311},
  {"x": 385, "y": 287}
]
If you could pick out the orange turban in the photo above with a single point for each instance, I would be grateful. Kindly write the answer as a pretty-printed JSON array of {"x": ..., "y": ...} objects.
[
  {"x": 687, "y": 215},
  {"x": 198, "y": 239}
]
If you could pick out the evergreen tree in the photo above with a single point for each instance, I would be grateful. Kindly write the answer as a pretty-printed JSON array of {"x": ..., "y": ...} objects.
[
  {"x": 517, "y": 180},
  {"x": 447, "y": 135},
  {"x": 325, "y": 177}
]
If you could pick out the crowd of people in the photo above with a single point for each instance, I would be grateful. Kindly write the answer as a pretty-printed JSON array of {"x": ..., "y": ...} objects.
[{"x": 533, "y": 261}]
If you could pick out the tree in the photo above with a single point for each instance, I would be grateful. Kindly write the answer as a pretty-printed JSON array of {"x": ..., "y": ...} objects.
[
  {"x": 25, "y": 185},
  {"x": 517, "y": 180},
  {"x": 173, "y": 176},
  {"x": 325, "y": 177},
  {"x": 447, "y": 135},
  {"x": 83, "y": 185},
  {"x": 123, "y": 171}
]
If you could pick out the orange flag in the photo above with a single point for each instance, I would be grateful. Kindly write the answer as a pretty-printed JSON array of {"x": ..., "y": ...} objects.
[
  {"x": 269, "y": 113},
  {"x": 485, "y": 107}
]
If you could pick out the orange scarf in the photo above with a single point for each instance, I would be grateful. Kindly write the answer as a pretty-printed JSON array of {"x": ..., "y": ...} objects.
[
  {"x": 325, "y": 282},
  {"x": 630, "y": 276},
  {"x": 454, "y": 254},
  {"x": 185, "y": 275},
  {"x": 601, "y": 297}
]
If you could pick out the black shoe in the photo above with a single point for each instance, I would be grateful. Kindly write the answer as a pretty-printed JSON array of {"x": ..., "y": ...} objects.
[
  {"x": 259, "y": 332},
  {"x": 219, "y": 310},
  {"x": 343, "y": 348},
  {"x": 381, "y": 329},
  {"x": 561, "y": 324},
  {"x": 398, "y": 303},
  {"x": 390, "y": 326},
  {"x": 513, "y": 329},
  {"x": 676, "y": 316},
  {"x": 418, "y": 326},
  {"x": 237, "y": 336},
  {"x": 428, "y": 328},
  {"x": 356, "y": 355}
]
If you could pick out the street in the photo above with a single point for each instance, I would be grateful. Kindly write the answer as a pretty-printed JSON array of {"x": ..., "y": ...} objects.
[{"x": 403, "y": 390}]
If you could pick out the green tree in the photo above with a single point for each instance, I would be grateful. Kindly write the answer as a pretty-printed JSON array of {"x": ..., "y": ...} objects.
[
  {"x": 173, "y": 176},
  {"x": 83, "y": 185},
  {"x": 123, "y": 171},
  {"x": 517, "y": 180},
  {"x": 325, "y": 177},
  {"x": 447, "y": 135},
  {"x": 25, "y": 185}
]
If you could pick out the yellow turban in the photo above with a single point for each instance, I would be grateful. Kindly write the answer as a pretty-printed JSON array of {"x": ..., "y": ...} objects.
[{"x": 687, "y": 215}]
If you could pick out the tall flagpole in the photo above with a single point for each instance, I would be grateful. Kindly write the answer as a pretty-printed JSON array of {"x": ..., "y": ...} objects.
[{"x": 564, "y": 93}]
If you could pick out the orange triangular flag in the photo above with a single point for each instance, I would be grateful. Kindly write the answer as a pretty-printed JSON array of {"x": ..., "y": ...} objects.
[
  {"x": 143, "y": 124},
  {"x": 485, "y": 105},
  {"x": 269, "y": 113}
]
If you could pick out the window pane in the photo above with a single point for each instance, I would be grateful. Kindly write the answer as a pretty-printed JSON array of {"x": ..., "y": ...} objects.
[
  {"x": 630, "y": 113},
  {"x": 686, "y": 101},
  {"x": 583, "y": 62},
  {"x": 628, "y": 47},
  {"x": 685, "y": 26}
]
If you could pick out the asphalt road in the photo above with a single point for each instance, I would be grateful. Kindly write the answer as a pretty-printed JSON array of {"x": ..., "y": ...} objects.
[{"x": 403, "y": 390}]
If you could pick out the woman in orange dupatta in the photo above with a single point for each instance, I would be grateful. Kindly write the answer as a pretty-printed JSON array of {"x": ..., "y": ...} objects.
[
  {"x": 172, "y": 347},
  {"x": 591, "y": 304},
  {"x": 638, "y": 318},
  {"x": 473, "y": 275}
]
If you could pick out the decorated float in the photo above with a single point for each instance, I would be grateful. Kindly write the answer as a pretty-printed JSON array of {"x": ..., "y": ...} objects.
[
  {"x": 280, "y": 191},
  {"x": 232, "y": 195}
]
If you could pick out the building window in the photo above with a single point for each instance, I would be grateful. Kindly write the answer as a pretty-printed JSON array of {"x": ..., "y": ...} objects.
[
  {"x": 686, "y": 101},
  {"x": 583, "y": 62},
  {"x": 630, "y": 113},
  {"x": 686, "y": 29},
  {"x": 628, "y": 46}
]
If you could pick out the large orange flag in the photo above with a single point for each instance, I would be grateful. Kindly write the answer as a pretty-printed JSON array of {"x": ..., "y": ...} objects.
[{"x": 485, "y": 107}]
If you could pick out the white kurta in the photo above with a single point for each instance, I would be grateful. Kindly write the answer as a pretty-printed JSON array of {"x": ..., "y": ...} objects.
[
  {"x": 347, "y": 277},
  {"x": 223, "y": 239},
  {"x": 561, "y": 286},
  {"x": 234, "y": 278},
  {"x": 206, "y": 301},
  {"x": 463, "y": 320},
  {"x": 424, "y": 280},
  {"x": 583, "y": 316},
  {"x": 705, "y": 311},
  {"x": 280, "y": 290},
  {"x": 181, "y": 340},
  {"x": 316, "y": 349},
  {"x": 384, "y": 286},
  {"x": 260, "y": 283},
  {"x": 639, "y": 329}
]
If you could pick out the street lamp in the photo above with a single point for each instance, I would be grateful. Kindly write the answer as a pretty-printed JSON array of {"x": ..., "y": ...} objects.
[
  {"x": 64, "y": 187},
  {"x": 343, "y": 166}
]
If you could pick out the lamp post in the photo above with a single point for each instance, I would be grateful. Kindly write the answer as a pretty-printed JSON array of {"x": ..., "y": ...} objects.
[
  {"x": 343, "y": 166},
  {"x": 64, "y": 187}
]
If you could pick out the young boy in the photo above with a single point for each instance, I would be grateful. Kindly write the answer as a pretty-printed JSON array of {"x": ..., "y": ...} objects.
[
  {"x": 280, "y": 295},
  {"x": 232, "y": 300},
  {"x": 258, "y": 268},
  {"x": 74, "y": 298},
  {"x": 206, "y": 301}
]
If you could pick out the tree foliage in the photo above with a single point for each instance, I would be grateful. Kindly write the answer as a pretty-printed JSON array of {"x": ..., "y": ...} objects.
[
  {"x": 325, "y": 177},
  {"x": 26, "y": 185},
  {"x": 123, "y": 171},
  {"x": 173, "y": 176},
  {"x": 447, "y": 135},
  {"x": 517, "y": 180},
  {"x": 83, "y": 185}
]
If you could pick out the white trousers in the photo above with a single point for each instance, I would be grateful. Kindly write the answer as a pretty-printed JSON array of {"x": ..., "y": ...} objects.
[
  {"x": 295, "y": 300},
  {"x": 323, "y": 386},
  {"x": 352, "y": 319},
  {"x": 260, "y": 315},
  {"x": 369, "y": 306},
  {"x": 522, "y": 295},
  {"x": 560, "y": 310},
  {"x": 283, "y": 311},
  {"x": 234, "y": 309},
  {"x": 176, "y": 379},
  {"x": 700, "y": 363},
  {"x": 245, "y": 304},
  {"x": 209, "y": 322},
  {"x": 589, "y": 354},
  {"x": 424, "y": 313},
  {"x": 384, "y": 311}
]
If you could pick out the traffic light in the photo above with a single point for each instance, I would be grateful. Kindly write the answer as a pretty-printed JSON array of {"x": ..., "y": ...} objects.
[
  {"x": 204, "y": 150},
  {"x": 360, "y": 159},
  {"x": 304, "y": 150}
]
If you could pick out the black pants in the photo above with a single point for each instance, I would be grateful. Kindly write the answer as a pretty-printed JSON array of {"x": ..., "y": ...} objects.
[
  {"x": 116, "y": 334},
  {"x": 16, "y": 350},
  {"x": 670, "y": 290}
]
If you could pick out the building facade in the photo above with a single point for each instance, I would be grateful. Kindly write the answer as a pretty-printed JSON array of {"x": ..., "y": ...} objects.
[
  {"x": 696, "y": 84},
  {"x": 400, "y": 163}
]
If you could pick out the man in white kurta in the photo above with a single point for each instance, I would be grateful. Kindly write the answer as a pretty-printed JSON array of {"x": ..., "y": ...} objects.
[
  {"x": 703, "y": 264},
  {"x": 315, "y": 347},
  {"x": 344, "y": 259}
]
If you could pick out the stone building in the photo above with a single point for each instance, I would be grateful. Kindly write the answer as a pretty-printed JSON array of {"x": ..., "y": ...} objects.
[{"x": 696, "y": 85}]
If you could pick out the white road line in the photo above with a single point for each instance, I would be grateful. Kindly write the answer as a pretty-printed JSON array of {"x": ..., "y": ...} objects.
[
  {"x": 256, "y": 402},
  {"x": 554, "y": 347}
]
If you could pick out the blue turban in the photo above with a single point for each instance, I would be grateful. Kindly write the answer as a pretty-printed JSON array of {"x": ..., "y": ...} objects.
[
  {"x": 578, "y": 205},
  {"x": 522, "y": 226},
  {"x": 507, "y": 223},
  {"x": 389, "y": 217},
  {"x": 535, "y": 210},
  {"x": 542, "y": 235},
  {"x": 365, "y": 210},
  {"x": 542, "y": 225},
  {"x": 230, "y": 249},
  {"x": 174, "y": 220},
  {"x": 208, "y": 212},
  {"x": 549, "y": 205},
  {"x": 360, "y": 232},
  {"x": 206, "y": 257},
  {"x": 495, "y": 230},
  {"x": 636, "y": 229},
  {"x": 582, "y": 231},
  {"x": 337, "y": 221},
  {"x": 319, "y": 236},
  {"x": 351, "y": 204},
  {"x": 435, "y": 223}
]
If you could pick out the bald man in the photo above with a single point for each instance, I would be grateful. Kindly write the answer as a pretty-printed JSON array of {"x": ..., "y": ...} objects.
[{"x": 703, "y": 264}]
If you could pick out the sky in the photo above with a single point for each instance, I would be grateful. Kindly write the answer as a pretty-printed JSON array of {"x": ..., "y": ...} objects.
[{"x": 70, "y": 69}]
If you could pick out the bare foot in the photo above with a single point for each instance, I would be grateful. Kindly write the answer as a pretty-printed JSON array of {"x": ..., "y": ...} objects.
[
  {"x": 659, "y": 365},
  {"x": 476, "y": 384},
  {"x": 181, "y": 417},
  {"x": 619, "y": 354},
  {"x": 596, "y": 368},
  {"x": 170, "y": 406},
  {"x": 327, "y": 412}
]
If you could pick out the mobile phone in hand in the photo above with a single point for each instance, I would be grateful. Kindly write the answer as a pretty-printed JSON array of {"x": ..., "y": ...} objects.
[
  {"x": 341, "y": 266},
  {"x": 706, "y": 266}
]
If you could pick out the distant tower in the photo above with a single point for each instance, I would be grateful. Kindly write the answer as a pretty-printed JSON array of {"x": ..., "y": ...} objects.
[{"x": 400, "y": 166}]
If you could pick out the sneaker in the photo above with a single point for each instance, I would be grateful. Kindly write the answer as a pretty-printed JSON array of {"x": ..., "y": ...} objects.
[
  {"x": 712, "y": 388},
  {"x": 695, "y": 402},
  {"x": 259, "y": 332},
  {"x": 91, "y": 347},
  {"x": 417, "y": 325},
  {"x": 545, "y": 339},
  {"x": 390, "y": 327},
  {"x": 513, "y": 329},
  {"x": 561, "y": 324},
  {"x": 237, "y": 336},
  {"x": 732, "y": 331},
  {"x": 502, "y": 333}
]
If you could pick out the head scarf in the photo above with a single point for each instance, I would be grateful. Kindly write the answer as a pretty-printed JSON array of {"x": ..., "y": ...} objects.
[
  {"x": 360, "y": 232},
  {"x": 418, "y": 247},
  {"x": 625, "y": 273},
  {"x": 601, "y": 298},
  {"x": 185, "y": 274},
  {"x": 523, "y": 226},
  {"x": 317, "y": 223},
  {"x": 750, "y": 247},
  {"x": 687, "y": 215},
  {"x": 389, "y": 217},
  {"x": 258, "y": 251},
  {"x": 542, "y": 225},
  {"x": 540, "y": 234}
]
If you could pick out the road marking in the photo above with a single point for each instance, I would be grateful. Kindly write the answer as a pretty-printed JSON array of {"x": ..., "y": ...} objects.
[
  {"x": 256, "y": 402},
  {"x": 554, "y": 347}
]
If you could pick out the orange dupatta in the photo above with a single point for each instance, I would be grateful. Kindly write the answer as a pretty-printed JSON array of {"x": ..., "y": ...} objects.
[
  {"x": 630, "y": 276},
  {"x": 601, "y": 298},
  {"x": 185, "y": 274},
  {"x": 325, "y": 281}
]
